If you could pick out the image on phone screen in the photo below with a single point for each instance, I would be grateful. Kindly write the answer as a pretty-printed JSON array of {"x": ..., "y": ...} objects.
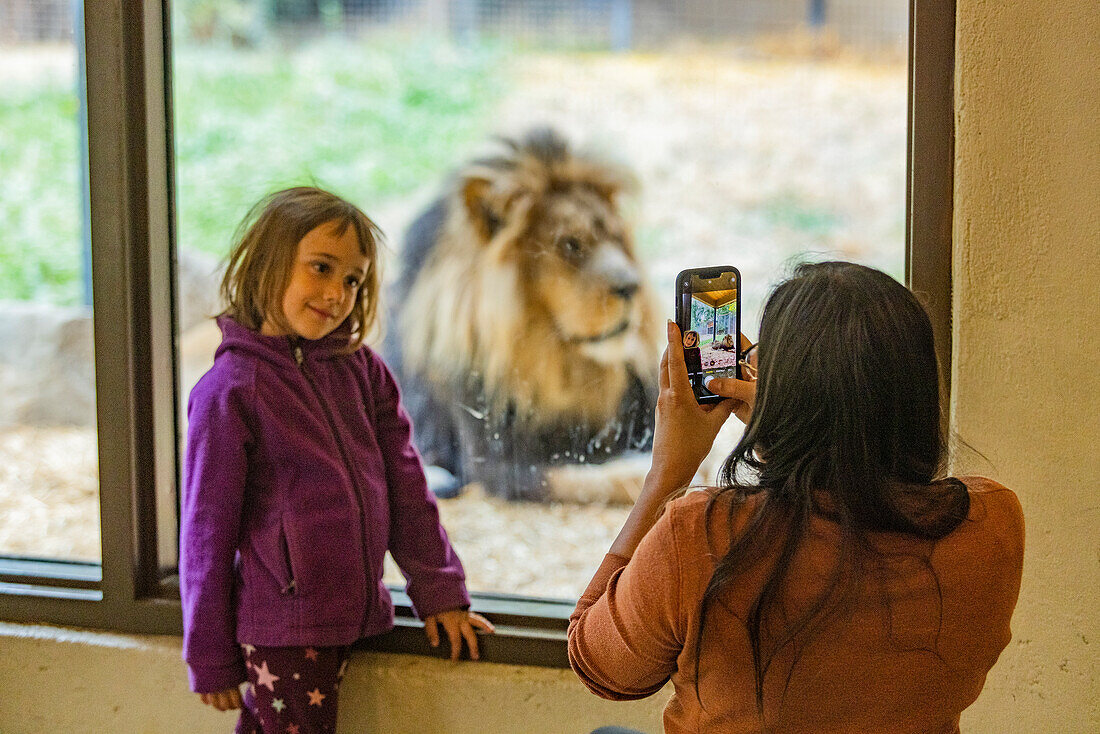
[{"x": 709, "y": 308}]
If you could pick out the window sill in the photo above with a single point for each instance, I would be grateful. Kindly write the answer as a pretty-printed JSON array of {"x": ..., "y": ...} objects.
[{"x": 528, "y": 631}]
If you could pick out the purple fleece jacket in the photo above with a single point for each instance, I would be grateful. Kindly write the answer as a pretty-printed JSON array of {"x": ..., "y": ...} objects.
[{"x": 300, "y": 475}]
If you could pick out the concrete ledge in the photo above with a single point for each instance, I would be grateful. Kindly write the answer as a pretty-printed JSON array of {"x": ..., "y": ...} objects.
[{"x": 60, "y": 679}]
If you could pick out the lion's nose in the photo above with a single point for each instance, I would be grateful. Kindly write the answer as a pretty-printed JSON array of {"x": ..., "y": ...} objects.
[{"x": 615, "y": 268}]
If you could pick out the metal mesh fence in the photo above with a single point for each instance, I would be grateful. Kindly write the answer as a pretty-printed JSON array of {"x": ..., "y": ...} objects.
[
  {"x": 614, "y": 24},
  {"x": 30, "y": 21},
  {"x": 623, "y": 24}
]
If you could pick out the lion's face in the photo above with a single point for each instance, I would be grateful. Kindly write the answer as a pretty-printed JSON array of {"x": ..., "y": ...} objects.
[
  {"x": 533, "y": 287},
  {"x": 580, "y": 269}
]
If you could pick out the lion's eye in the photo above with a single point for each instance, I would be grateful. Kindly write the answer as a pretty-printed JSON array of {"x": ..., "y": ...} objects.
[{"x": 570, "y": 246}]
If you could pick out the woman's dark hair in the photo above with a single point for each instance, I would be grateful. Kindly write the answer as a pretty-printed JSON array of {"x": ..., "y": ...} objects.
[{"x": 846, "y": 425}]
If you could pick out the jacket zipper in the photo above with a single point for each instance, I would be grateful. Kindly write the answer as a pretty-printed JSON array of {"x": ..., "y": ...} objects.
[{"x": 299, "y": 358}]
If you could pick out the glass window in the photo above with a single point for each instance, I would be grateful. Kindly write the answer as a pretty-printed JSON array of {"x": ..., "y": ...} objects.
[
  {"x": 49, "y": 488},
  {"x": 751, "y": 133}
]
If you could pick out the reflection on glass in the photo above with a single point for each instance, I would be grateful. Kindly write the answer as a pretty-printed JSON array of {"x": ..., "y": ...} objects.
[
  {"x": 48, "y": 460},
  {"x": 750, "y": 133}
]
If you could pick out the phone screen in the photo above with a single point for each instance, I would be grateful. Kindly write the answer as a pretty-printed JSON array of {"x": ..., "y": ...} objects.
[{"x": 709, "y": 318}]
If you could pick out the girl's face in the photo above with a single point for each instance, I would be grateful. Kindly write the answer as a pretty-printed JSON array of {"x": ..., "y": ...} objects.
[
  {"x": 325, "y": 278},
  {"x": 690, "y": 339}
]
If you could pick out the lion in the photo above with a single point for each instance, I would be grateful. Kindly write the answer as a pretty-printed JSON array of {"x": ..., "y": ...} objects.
[
  {"x": 523, "y": 329},
  {"x": 725, "y": 343}
]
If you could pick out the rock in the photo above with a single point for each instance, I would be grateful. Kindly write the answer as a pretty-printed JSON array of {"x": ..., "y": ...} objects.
[
  {"x": 198, "y": 277},
  {"x": 47, "y": 367},
  {"x": 47, "y": 358}
]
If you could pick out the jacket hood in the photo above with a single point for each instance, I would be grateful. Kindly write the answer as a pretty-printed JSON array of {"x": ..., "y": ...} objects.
[{"x": 239, "y": 338}]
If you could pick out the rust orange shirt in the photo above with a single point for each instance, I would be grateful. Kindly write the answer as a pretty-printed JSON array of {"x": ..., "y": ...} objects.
[{"x": 909, "y": 665}]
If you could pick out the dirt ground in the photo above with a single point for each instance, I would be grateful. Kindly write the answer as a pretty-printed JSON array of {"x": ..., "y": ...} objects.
[
  {"x": 49, "y": 493},
  {"x": 741, "y": 161}
]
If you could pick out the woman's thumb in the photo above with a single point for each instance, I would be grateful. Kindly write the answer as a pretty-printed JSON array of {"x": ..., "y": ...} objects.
[{"x": 728, "y": 387}]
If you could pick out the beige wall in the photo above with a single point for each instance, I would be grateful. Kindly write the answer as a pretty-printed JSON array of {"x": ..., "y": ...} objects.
[
  {"x": 1026, "y": 394},
  {"x": 54, "y": 679},
  {"x": 1026, "y": 376}
]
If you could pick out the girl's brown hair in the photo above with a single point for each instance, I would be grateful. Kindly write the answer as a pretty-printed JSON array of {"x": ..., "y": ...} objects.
[{"x": 266, "y": 245}]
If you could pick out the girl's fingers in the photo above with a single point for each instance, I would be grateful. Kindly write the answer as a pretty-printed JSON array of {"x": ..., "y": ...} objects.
[
  {"x": 471, "y": 640},
  {"x": 226, "y": 700},
  {"x": 481, "y": 623},
  {"x": 455, "y": 637},
  {"x": 432, "y": 631}
]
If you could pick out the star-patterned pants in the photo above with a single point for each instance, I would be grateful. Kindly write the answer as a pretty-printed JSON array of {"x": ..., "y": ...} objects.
[{"x": 291, "y": 690}]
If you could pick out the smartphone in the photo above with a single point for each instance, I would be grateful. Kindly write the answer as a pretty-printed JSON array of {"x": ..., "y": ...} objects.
[{"x": 708, "y": 312}]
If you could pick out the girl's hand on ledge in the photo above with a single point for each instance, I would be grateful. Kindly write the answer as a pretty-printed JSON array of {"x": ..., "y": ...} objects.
[{"x": 459, "y": 625}]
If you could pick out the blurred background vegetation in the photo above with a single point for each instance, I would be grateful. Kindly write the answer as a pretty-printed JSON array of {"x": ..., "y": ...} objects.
[
  {"x": 386, "y": 115},
  {"x": 378, "y": 99}
]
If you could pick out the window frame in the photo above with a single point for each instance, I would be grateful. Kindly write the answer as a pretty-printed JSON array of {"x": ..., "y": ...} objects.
[{"x": 127, "y": 52}]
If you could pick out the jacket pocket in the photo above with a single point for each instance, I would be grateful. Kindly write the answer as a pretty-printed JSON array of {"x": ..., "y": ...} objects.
[
  {"x": 325, "y": 554},
  {"x": 272, "y": 551}
]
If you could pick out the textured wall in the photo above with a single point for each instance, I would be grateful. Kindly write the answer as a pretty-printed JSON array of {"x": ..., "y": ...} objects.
[
  {"x": 1027, "y": 335},
  {"x": 54, "y": 679}
]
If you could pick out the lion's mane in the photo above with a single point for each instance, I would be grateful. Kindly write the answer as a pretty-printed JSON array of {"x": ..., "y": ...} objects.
[{"x": 496, "y": 317}]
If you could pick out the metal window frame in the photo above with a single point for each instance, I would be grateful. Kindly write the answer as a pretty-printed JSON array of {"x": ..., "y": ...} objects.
[
  {"x": 133, "y": 261},
  {"x": 930, "y": 169}
]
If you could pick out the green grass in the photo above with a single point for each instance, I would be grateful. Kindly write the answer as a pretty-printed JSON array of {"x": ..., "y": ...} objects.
[
  {"x": 788, "y": 211},
  {"x": 372, "y": 119},
  {"x": 40, "y": 228}
]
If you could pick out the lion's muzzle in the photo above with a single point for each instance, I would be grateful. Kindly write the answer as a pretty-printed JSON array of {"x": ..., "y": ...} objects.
[{"x": 610, "y": 265}]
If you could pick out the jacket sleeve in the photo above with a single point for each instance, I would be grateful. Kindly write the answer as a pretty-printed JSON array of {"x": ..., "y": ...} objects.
[
  {"x": 436, "y": 581},
  {"x": 625, "y": 633},
  {"x": 213, "y": 491}
]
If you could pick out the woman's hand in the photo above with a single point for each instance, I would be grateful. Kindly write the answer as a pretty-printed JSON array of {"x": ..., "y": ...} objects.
[
  {"x": 685, "y": 429},
  {"x": 226, "y": 700},
  {"x": 459, "y": 625},
  {"x": 743, "y": 392},
  {"x": 682, "y": 438}
]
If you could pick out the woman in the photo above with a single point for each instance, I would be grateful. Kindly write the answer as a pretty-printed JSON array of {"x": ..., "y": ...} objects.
[{"x": 831, "y": 583}]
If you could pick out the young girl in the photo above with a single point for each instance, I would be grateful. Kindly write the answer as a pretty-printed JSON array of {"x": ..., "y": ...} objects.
[{"x": 300, "y": 475}]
